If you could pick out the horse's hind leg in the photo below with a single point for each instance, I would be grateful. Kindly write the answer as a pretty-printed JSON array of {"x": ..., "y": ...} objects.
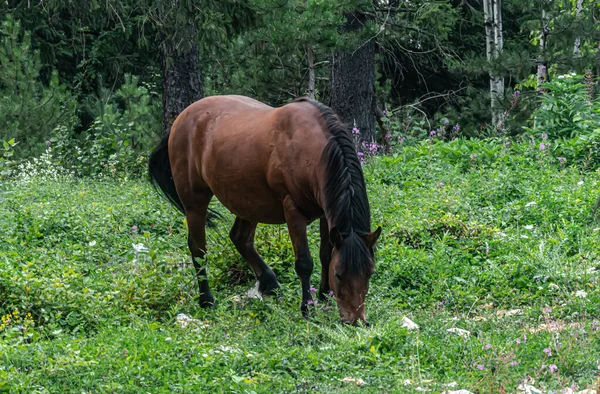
[
  {"x": 242, "y": 235},
  {"x": 196, "y": 218}
]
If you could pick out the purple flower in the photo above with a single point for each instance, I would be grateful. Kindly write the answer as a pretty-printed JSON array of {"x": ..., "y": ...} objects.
[
  {"x": 355, "y": 131},
  {"x": 517, "y": 93},
  {"x": 360, "y": 154},
  {"x": 488, "y": 346},
  {"x": 548, "y": 310},
  {"x": 125, "y": 352},
  {"x": 330, "y": 293},
  {"x": 542, "y": 67},
  {"x": 473, "y": 156},
  {"x": 441, "y": 184},
  {"x": 385, "y": 113},
  {"x": 432, "y": 133},
  {"x": 518, "y": 341},
  {"x": 480, "y": 367},
  {"x": 542, "y": 147},
  {"x": 48, "y": 144},
  {"x": 310, "y": 302},
  {"x": 507, "y": 143},
  {"x": 21, "y": 328},
  {"x": 312, "y": 290},
  {"x": 446, "y": 122},
  {"x": 409, "y": 118},
  {"x": 388, "y": 136},
  {"x": 562, "y": 160},
  {"x": 134, "y": 228},
  {"x": 544, "y": 136},
  {"x": 513, "y": 363},
  {"x": 548, "y": 352},
  {"x": 553, "y": 368},
  {"x": 456, "y": 128},
  {"x": 401, "y": 139}
]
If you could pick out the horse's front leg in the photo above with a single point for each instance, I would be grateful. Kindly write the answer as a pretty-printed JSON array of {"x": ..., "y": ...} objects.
[
  {"x": 297, "y": 223},
  {"x": 325, "y": 257}
]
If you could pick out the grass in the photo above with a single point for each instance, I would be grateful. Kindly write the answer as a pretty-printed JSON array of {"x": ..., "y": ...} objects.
[{"x": 501, "y": 245}]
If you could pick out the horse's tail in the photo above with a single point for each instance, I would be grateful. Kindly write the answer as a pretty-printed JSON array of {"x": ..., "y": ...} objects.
[{"x": 161, "y": 177}]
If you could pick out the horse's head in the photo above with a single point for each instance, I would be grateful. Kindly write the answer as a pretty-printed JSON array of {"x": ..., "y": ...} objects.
[{"x": 351, "y": 267}]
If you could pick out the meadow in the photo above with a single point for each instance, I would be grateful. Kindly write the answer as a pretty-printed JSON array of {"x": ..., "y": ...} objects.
[{"x": 491, "y": 248}]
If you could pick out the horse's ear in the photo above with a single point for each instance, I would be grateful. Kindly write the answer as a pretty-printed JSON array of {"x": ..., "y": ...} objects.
[
  {"x": 336, "y": 237},
  {"x": 372, "y": 238}
]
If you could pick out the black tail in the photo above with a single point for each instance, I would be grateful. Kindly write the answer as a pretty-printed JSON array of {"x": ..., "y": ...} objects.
[{"x": 159, "y": 171}]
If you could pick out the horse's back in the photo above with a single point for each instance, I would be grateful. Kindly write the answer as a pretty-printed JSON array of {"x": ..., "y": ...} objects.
[{"x": 250, "y": 155}]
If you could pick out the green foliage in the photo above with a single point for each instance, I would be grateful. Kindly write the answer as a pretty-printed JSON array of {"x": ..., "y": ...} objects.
[
  {"x": 29, "y": 108},
  {"x": 499, "y": 244},
  {"x": 569, "y": 115}
]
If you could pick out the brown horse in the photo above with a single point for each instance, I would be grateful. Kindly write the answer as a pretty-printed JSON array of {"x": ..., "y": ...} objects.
[{"x": 293, "y": 165}]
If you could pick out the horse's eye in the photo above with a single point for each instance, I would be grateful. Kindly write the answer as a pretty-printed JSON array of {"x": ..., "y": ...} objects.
[{"x": 338, "y": 276}]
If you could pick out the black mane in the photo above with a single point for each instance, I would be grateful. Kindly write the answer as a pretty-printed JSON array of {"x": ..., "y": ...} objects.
[{"x": 344, "y": 191}]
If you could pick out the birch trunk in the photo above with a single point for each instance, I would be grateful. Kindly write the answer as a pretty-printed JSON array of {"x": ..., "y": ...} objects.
[
  {"x": 492, "y": 10},
  {"x": 577, "y": 44},
  {"x": 542, "y": 71},
  {"x": 311, "y": 73}
]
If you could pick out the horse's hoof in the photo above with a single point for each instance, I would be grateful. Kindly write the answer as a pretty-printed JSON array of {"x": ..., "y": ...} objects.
[{"x": 207, "y": 303}]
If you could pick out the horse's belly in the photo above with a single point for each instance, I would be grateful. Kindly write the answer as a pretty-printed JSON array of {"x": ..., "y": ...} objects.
[{"x": 249, "y": 198}]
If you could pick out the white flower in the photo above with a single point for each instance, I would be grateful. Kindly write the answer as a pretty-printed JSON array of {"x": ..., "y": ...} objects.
[
  {"x": 530, "y": 204},
  {"x": 528, "y": 227},
  {"x": 406, "y": 382},
  {"x": 580, "y": 183},
  {"x": 92, "y": 243},
  {"x": 139, "y": 248},
  {"x": 580, "y": 294}
]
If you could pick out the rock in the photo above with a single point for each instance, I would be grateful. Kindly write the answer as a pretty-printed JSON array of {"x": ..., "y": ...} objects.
[
  {"x": 460, "y": 332},
  {"x": 409, "y": 324},
  {"x": 358, "y": 382}
]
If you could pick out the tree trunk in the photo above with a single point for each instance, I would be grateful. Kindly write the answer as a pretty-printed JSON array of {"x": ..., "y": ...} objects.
[
  {"x": 577, "y": 45},
  {"x": 353, "y": 81},
  {"x": 542, "y": 70},
  {"x": 181, "y": 77},
  {"x": 492, "y": 10},
  {"x": 311, "y": 73}
]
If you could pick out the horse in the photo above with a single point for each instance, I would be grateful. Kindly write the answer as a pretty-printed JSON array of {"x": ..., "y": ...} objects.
[{"x": 293, "y": 164}]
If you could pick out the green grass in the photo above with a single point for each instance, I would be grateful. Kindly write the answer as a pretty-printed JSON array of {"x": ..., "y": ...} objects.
[{"x": 464, "y": 241}]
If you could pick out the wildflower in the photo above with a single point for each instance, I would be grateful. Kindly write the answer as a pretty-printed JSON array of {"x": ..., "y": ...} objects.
[
  {"x": 388, "y": 136},
  {"x": 562, "y": 160},
  {"x": 446, "y": 122},
  {"x": 401, "y": 139},
  {"x": 21, "y": 328},
  {"x": 548, "y": 352},
  {"x": 473, "y": 156},
  {"x": 355, "y": 131},
  {"x": 134, "y": 229},
  {"x": 386, "y": 113},
  {"x": 544, "y": 136},
  {"x": 48, "y": 143},
  {"x": 542, "y": 67},
  {"x": 507, "y": 143},
  {"x": 441, "y": 184},
  {"x": 125, "y": 352},
  {"x": 432, "y": 133},
  {"x": 488, "y": 346},
  {"x": 360, "y": 154},
  {"x": 542, "y": 146},
  {"x": 513, "y": 363},
  {"x": 518, "y": 341},
  {"x": 92, "y": 243},
  {"x": 548, "y": 310},
  {"x": 552, "y": 368},
  {"x": 456, "y": 128},
  {"x": 312, "y": 290},
  {"x": 330, "y": 293},
  {"x": 580, "y": 294},
  {"x": 139, "y": 248},
  {"x": 517, "y": 93},
  {"x": 480, "y": 367}
]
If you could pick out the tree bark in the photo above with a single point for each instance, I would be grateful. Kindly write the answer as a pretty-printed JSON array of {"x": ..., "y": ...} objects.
[
  {"x": 353, "y": 81},
  {"x": 311, "y": 73},
  {"x": 542, "y": 70},
  {"x": 181, "y": 76},
  {"x": 492, "y": 10},
  {"x": 577, "y": 45}
]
